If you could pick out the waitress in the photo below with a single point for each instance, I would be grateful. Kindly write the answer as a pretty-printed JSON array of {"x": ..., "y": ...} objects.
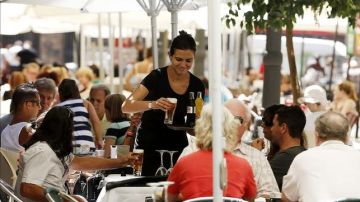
[{"x": 173, "y": 81}]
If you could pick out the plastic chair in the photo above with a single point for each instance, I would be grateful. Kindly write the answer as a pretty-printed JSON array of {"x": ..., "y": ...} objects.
[
  {"x": 348, "y": 200},
  {"x": 8, "y": 169},
  {"x": 210, "y": 199},
  {"x": 7, "y": 192},
  {"x": 54, "y": 195}
]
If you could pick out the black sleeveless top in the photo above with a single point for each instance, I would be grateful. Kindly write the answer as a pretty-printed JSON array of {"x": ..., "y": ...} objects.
[{"x": 152, "y": 132}]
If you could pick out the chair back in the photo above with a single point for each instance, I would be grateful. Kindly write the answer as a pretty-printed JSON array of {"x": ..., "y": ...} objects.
[
  {"x": 348, "y": 200},
  {"x": 210, "y": 199},
  {"x": 8, "y": 166},
  {"x": 7, "y": 192},
  {"x": 54, "y": 195}
]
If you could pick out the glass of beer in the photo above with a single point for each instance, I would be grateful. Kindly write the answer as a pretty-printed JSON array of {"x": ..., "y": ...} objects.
[
  {"x": 139, "y": 153},
  {"x": 169, "y": 114}
]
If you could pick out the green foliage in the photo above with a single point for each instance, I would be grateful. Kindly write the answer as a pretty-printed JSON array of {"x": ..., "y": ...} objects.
[{"x": 277, "y": 14}]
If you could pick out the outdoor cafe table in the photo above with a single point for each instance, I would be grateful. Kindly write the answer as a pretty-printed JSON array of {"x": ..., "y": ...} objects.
[{"x": 125, "y": 194}]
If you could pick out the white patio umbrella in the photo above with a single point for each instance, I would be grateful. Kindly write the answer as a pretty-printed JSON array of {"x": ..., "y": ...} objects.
[{"x": 214, "y": 34}]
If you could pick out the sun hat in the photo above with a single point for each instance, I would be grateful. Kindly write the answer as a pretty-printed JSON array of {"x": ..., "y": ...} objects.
[{"x": 314, "y": 94}]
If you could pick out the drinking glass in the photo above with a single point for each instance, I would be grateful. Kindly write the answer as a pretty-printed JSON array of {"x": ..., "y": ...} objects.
[
  {"x": 171, "y": 161},
  {"x": 164, "y": 184},
  {"x": 169, "y": 114},
  {"x": 139, "y": 153},
  {"x": 161, "y": 171}
]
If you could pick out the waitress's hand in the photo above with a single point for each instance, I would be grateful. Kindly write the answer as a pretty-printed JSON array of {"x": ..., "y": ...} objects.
[{"x": 162, "y": 104}]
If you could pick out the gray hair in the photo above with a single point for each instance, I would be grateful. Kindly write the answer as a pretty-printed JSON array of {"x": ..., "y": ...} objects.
[
  {"x": 101, "y": 87},
  {"x": 236, "y": 107},
  {"x": 204, "y": 129},
  {"x": 45, "y": 84},
  {"x": 332, "y": 125}
]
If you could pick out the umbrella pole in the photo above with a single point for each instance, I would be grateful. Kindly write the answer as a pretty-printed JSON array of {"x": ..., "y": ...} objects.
[
  {"x": 120, "y": 57},
  {"x": 215, "y": 66},
  {"x": 111, "y": 54},
  {"x": 174, "y": 24},
  {"x": 153, "y": 10},
  {"x": 154, "y": 42},
  {"x": 173, "y": 6},
  {"x": 101, "y": 49},
  {"x": 82, "y": 47}
]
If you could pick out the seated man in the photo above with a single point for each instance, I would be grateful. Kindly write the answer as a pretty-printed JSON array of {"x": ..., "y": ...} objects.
[
  {"x": 329, "y": 171},
  {"x": 192, "y": 174},
  {"x": 47, "y": 91},
  {"x": 98, "y": 93},
  {"x": 25, "y": 105},
  {"x": 288, "y": 125}
]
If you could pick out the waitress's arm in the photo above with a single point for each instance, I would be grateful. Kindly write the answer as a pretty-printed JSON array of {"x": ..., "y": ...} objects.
[{"x": 135, "y": 102}]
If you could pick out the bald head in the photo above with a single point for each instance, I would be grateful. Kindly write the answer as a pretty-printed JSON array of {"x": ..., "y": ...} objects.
[
  {"x": 332, "y": 125},
  {"x": 238, "y": 108}
]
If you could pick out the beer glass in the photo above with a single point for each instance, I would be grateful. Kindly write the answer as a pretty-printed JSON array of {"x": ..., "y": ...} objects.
[
  {"x": 169, "y": 114},
  {"x": 123, "y": 150},
  {"x": 139, "y": 153}
]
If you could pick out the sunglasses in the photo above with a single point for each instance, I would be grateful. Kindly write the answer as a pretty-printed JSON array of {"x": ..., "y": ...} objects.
[
  {"x": 240, "y": 119},
  {"x": 267, "y": 123}
]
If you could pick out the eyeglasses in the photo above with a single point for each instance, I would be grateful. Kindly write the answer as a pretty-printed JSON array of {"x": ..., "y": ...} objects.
[
  {"x": 240, "y": 119},
  {"x": 267, "y": 123}
]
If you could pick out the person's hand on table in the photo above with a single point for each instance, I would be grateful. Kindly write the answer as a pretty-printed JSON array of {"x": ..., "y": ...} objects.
[
  {"x": 162, "y": 104},
  {"x": 99, "y": 144},
  {"x": 258, "y": 143},
  {"x": 127, "y": 159}
]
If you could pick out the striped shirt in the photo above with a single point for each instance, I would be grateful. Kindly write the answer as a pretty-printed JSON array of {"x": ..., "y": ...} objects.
[{"x": 82, "y": 128}]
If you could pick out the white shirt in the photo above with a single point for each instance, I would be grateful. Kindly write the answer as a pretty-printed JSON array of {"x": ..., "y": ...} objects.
[
  {"x": 10, "y": 137},
  {"x": 309, "y": 128},
  {"x": 40, "y": 166},
  {"x": 325, "y": 173},
  {"x": 264, "y": 177}
]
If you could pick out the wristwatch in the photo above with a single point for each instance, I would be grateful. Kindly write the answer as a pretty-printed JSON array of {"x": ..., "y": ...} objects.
[{"x": 150, "y": 105}]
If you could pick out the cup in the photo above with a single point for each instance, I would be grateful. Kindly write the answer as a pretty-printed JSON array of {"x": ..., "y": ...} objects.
[
  {"x": 113, "y": 151},
  {"x": 169, "y": 114},
  {"x": 99, "y": 153},
  {"x": 123, "y": 150},
  {"x": 139, "y": 154}
]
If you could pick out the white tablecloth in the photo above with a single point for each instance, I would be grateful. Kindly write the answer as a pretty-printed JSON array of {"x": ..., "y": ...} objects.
[{"x": 126, "y": 194}]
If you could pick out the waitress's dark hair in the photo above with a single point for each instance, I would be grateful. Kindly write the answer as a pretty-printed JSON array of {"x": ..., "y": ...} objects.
[
  {"x": 68, "y": 90},
  {"x": 183, "y": 41},
  {"x": 56, "y": 130}
]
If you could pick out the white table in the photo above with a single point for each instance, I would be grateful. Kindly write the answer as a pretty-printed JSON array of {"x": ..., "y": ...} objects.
[{"x": 125, "y": 194}]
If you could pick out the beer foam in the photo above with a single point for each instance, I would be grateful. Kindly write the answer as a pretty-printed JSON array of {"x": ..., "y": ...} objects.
[
  {"x": 172, "y": 100},
  {"x": 138, "y": 151}
]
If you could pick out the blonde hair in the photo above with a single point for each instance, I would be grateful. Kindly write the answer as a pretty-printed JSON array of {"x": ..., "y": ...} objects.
[
  {"x": 31, "y": 65},
  {"x": 349, "y": 88},
  {"x": 61, "y": 73},
  {"x": 85, "y": 71},
  {"x": 204, "y": 129}
]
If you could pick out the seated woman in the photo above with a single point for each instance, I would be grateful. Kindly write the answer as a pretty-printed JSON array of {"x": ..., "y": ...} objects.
[
  {"x": 115, "y": 134},
  {"x": 48, "y": 157},
  {"x": 192, "y": 174},
  {"x": 84, "y": 113},
  {"x": 345, "y": 99}
]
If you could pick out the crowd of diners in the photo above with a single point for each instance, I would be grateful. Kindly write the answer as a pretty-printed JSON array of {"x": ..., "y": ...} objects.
[{"x": 309, "y": 157}]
